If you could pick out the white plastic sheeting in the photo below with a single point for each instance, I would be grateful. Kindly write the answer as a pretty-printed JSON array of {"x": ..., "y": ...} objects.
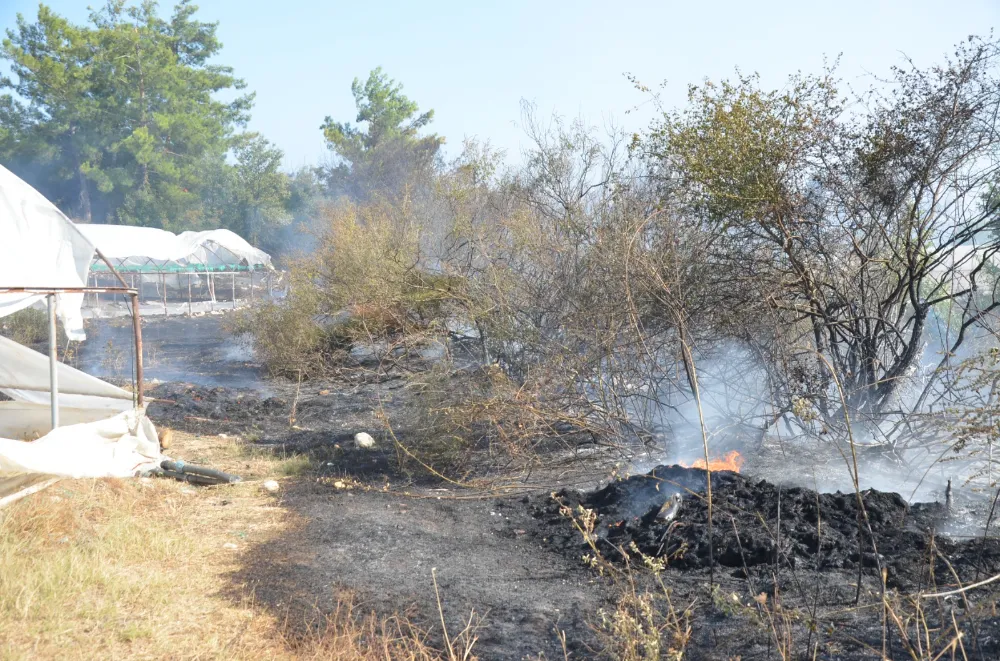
[
  {"x": 26, "y": 421},
  {"x": 40, "y": 247},
  {"x": 107, "y": 437},
  {"x": 121, "y": 446},
  {"x": 148, "y": 247},
  {"x": 24, "y": 377}
]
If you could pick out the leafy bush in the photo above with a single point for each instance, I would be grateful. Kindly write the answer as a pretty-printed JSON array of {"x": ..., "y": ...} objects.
[
  {"x": 286, "y": 335},
  {"x": 29, "y": 326}
]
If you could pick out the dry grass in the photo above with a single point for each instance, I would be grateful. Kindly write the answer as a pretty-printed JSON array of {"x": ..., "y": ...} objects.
[
  {"x": 142, "y": 569},
  {"x": 645, "y": 624},
  {"x": 346, "y": 636}
]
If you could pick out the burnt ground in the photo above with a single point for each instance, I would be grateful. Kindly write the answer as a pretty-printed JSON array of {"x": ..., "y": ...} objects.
[
  {"x": 517, "y": 560},
  {"x": 805, "y": 546},
  {"x": 380, "y": 539},
  {"x": 382, "y": 547}
]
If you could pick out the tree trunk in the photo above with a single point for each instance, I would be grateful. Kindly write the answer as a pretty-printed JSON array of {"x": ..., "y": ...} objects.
[
  {"x": 83, "y": 204},
  {"x": 83, "y": 201}
]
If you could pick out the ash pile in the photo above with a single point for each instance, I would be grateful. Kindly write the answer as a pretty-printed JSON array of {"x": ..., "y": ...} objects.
[{"x": 759, "y": 526}]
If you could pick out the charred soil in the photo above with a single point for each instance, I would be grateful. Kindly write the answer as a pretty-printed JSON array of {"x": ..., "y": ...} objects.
[
  {"x": 778, "y": 553},
  {"x": 799, "y": 548}
]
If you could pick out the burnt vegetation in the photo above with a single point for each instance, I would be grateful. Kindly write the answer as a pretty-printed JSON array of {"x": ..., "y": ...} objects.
[
  {"x": 833, "y": 253},
  {"x": 803, "y": 264},
  {"x": 809, "y": 268}
]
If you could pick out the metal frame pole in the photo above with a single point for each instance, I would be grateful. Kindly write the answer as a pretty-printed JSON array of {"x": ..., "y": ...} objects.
[
  {"x": 136, "y": 326},
  {"x": 137, "y": 331},
  {"x": 53, "y": 373},
  {"x": 234, "y": 290},
  {"x": 190, "y": 310}
]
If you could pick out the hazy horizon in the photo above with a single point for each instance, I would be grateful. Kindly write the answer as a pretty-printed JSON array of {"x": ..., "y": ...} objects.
[{"x": 474, "y": 64}]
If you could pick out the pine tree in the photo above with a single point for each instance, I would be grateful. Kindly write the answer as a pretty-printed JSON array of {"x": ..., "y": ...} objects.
[
  {"x": 388, "y": 157},
  {"x": 120, "y": 117}
]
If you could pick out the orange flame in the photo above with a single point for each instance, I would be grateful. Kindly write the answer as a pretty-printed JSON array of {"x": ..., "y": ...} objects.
[{"x": 733, "y": 461}]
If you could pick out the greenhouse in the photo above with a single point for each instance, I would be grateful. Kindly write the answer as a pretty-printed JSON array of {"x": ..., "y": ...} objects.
[
  {"x": 190, "y": 269},
  {"x": 150, "y": 250}
]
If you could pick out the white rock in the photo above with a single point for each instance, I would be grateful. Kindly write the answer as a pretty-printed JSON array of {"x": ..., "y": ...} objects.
[
  {"x": 364, "y": 441},
  {"x": 229, "y": 546},
  {"x": 271, "y": 486}
]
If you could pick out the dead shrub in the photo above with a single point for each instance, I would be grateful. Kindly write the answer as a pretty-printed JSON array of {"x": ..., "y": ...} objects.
[
  {"x": 645, "y": 624},
  {"x": 286, "y": 335},
  {"x": 370, "y": 262},
  {"x": 462, "y": 415},
  {"x": 362, "y": 285},
  {"x": 523, "y": 272}
]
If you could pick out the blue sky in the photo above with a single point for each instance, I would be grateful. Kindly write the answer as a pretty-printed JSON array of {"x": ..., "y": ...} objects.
[{"x": 473, "y": 62}]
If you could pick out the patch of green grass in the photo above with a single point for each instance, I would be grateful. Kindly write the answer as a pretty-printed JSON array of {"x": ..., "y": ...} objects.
[{"x": 294, "y": 465}]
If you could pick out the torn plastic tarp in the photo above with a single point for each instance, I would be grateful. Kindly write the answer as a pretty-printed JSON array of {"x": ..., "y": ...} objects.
[
  {"x": 106, "y": 437},
  {"x": 24, "y": 377},
  {"x": 122, "y": 446},
  {"x": 40, "y": 247}
]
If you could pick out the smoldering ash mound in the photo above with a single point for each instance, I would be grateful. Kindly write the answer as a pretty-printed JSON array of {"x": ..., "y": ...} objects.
[{"x": 759, "y": 526}]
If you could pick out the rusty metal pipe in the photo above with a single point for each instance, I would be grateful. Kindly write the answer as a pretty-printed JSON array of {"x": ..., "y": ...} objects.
[
  {"x": 112, "y": 268},
  {"x": 137, "y": 331},
  {"x": 65, "y": 290},
  {"x": 53, "y": 361}
]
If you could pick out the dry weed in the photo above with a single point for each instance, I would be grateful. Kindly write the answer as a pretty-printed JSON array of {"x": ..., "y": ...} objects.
[{"x": 143, "y": 569}]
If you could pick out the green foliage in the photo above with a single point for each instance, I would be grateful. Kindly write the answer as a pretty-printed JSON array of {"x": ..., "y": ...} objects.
[
  {"x": 259, "y": 191},
  {"x": 742, "y": 152},
  {"x": 55, "y": 63},
  {"x": 28, "y": 327},
  {"x": 388, "y": 112},
  {"x": 120, "y": 117},
  {"x": 387, "y": 156}
]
